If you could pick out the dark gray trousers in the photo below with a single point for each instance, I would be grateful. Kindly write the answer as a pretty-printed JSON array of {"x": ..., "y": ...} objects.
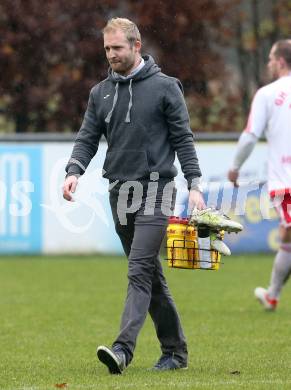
[{"x": 147, "y": 291}]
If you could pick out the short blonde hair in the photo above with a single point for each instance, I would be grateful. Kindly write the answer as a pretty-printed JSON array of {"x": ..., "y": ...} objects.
[{"x": 127, "y": 26}]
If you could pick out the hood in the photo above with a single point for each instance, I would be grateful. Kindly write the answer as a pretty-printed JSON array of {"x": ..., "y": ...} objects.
[{"x": 150, "y": 68}]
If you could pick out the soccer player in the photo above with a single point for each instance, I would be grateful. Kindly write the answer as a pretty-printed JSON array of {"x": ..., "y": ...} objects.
[
  {"x": 143, "y": 116},
  {"x": 271, "y": 113}
]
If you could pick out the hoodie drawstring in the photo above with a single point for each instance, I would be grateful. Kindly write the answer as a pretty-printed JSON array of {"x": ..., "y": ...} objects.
[
  {"x": 127, "y": 119},
  {"x": 109, "y": 115}
]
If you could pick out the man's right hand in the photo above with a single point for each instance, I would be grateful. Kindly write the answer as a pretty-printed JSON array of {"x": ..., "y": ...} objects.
[{"x": 69, "y": 187}]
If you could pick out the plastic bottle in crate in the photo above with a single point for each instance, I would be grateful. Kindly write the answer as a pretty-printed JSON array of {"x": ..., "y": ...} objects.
[
  {"x": 208, "y": 258},
  {"x": 181, "y": 243},
  {"x": 204, "y": 247}
]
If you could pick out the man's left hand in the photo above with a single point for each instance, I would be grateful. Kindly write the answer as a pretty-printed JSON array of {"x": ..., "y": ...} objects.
[{"x": 196, "y": 200}]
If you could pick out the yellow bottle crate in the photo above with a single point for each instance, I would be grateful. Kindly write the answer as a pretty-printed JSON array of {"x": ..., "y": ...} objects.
[{"x": 183, "y": 249}]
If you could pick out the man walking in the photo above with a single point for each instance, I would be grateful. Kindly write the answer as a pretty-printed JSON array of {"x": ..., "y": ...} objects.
[
  {"x": 271, "y": 113},
  {"x": 142, "y": 114}
]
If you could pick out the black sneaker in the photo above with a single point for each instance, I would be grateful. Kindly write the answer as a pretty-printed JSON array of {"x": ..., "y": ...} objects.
[
  {"x": 114, "y": 360},
  {"x": 169, "y": 362}
]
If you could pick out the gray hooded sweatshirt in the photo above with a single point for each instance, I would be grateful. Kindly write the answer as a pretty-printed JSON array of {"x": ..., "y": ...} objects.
[{"x": 144, "y": 120}]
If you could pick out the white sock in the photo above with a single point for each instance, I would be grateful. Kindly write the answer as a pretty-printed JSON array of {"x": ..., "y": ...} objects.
[{"x": 281, "y": 271}]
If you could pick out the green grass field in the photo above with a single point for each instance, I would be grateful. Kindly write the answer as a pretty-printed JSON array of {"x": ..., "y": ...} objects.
[{"x": 54, "y": 311}]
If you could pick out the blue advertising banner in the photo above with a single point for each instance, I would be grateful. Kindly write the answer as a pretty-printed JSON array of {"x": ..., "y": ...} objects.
[
  {"x": 34, "y": 217},
  {"x": 259, "y": 219},
  {"x": 250, "y": 205},
  {"x": 21, "y": 192}
]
